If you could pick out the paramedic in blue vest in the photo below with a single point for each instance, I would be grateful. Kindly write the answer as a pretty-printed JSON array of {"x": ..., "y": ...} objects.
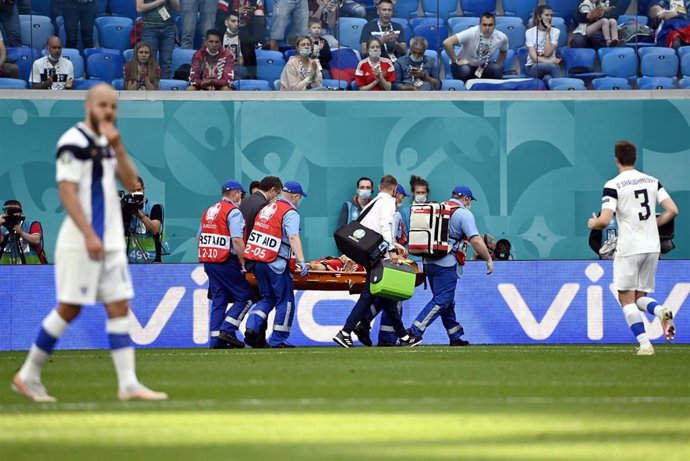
[
  {"x": 351, "y": 209},
  {"x": 443, "y": 272},
  {"x": 221, "y": 248},
  {"x": 145, "y": 242},
  {"x": 379, "y": 219},
  {"x": 272, "y": 243},
  {"x": 20, "y": 242}
]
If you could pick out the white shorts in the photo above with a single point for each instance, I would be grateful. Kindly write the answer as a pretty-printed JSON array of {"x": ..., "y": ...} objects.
[
  {"x": 81, "y": 280},
  {"x": 635, "y": 272}
]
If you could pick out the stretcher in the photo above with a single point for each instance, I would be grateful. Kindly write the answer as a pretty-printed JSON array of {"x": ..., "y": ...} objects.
[{"x": 352, "y": 282}]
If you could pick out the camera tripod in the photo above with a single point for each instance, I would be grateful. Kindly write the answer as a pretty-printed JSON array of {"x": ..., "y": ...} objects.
[
  {"x": 130, "y": 237},
  {"x": 16, "y": 251}
]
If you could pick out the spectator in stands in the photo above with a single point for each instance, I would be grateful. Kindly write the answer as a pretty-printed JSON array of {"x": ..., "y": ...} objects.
[
  {"x": 417, "y": 71},
  {"x": 212, "y": 65},
  {"x": 52, "y": 71},
  {"x": 252, "y": 26},
  {"x": 326, "y": 13},
  {"x": 542, "y": 42},
  {"x": 321, "y": 49},
  {"x": 478, "y": 43},
  {"x": 375, "y": 73},
  {"x": 79, "y": 16},
  {"x": 599, "y": 21},
  {"x": 298, "y": 10},
  {"x": 7, "y": 69},
  {"x": 159, "y": 30},
  {"x": 142, "y": 72},
  {"x": 301, "y": 71},
  {"x": 9, "y": 21},
  {"x": 671, "y": 17},
  {"x": 191, "y": 9},
  {"x": 390, "y": 34},
  {"x": 594, "y": 40},
  {"x": 502, "y": 252},
  {"x": 231, "y": 42},
  {"x": 20, "y": 242},
  {"x": 351, "y": 209}
]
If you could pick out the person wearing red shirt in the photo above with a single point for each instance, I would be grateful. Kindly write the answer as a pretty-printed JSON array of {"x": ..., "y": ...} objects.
[{"x": 375, "y": 73}]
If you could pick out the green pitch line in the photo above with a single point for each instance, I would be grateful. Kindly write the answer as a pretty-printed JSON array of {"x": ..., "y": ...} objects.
[{"x": 427, "y": 403}]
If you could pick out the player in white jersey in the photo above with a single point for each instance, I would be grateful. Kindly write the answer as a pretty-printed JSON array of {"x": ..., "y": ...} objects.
[
  {"x": 633, "y": 197},
  {"x": 90, "y": 259}
]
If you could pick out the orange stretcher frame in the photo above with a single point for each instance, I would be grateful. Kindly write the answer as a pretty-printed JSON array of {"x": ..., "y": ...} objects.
[{"x": 334, "y": 280}]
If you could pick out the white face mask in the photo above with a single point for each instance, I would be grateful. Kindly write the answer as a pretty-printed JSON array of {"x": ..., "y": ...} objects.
[
  {"x": 305, "y": 52},
  {"x": 420, "y": 198},
  {"x": 364, "y": 194},
  {"x": 375, "y": 53}
]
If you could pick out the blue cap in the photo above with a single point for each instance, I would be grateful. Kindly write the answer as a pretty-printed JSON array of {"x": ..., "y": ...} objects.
[
  {"x": 232, "y": 184},
  {"x": 294, "y": 187},
  {"x": 463, "y": 190},
  {"x": 401, "y": 190}
]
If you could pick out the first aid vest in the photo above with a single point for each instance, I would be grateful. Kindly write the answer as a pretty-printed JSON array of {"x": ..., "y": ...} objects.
[
  {"x": 264, "y": 241},
  {"x": 215, "y": 240}
]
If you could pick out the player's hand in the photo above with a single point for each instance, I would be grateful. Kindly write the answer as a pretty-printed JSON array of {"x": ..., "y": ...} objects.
[
  {"x": 591, "y": 222},
  {"x": 489, "y": 266},
  {"x": 112, "y": 134},
  {"x": 401, "y": 250},
  {"x": 94, "y": 246},
  {"x": 303, "y": 268},
  {"x": 395, "y": 257}
]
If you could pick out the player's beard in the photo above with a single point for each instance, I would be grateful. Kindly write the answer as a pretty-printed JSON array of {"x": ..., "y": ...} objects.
[{"x": 94, "y": 123}]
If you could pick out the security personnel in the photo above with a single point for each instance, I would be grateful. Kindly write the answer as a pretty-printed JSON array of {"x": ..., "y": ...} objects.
[
  {"x": 444, "y": 272},
  {"x": 221, "y": 248},
  {"x": 272, "y": 243}
]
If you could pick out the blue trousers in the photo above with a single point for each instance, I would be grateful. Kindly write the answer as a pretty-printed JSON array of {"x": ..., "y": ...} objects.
[
  {"x": 226, "y": 282},
  {"x": 387, "y": 334},
  {"x": 442, "y": 281},
  {"x": 365, "y": 301},
  {"x": 162, "y": 41},
  {"x": 276, "y": 292}
]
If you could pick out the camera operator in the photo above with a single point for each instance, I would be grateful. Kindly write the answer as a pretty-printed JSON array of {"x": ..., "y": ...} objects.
[
  {"x": 20, "y": 242},
  {"x": 143, "y": 226}
]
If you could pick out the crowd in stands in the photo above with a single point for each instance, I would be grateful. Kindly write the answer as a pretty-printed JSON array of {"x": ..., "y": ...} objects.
[{"x": 375, "y": 45}]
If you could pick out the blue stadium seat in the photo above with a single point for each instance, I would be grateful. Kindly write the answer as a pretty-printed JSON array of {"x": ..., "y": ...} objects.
[
  {"x": 443, "y": 8},
  {"x": 515, "y": 33},
  {"x": 118, "y": 20},
  {"x": 611, "y": 83},
  {"x": 12, "y": 84},
  {"x": 127, "y": 54},
  {"x": 35, "y": 30},
  {"x": 642, "y": 52},
  {"x": 519, "y": 8},
  {"x": 405, "y": 8},
  {"x": 621, "y": 64},
  {"x": 24, "y": 57},
  {"x": 276, "y": 85},
  {"x": 659, "y": 65},
  {"x": 559, "y": 23},
  {"x": 118, "y": 84},
  {"x": 405, "y": 24},
  {"x": 350, "y": 31},
  {"x": 77, "y": 61},
  {"x": 269, "y": 69},
  {"x": 580, "y": 63},
  {"x": 682, "y": 51},
  {"x": 126, "y": 8},
  {"x": 104, "y": 66},
  {"x": 252, "y": 85},
  {"x": 685, "y": 83},
  {"x": 508, "y": 71},
  {"x": 563, "y": 8},
  {"x": 656, "y": 83},
  {"x": 82, "y": 84},
  {"x": 522, "y": 54},
  {"x": 453, "y": 85},
  {"x": 89, "y": 51},
  {"x": 182, "y": 56},
  {"x": 114, "y": 36},
  {"x": 41, "y": 7},
  {"x": 477, "y": 7},
  {"x": 334, "y": 84},
  {"x": 623, "y": 18},
  {"x": 434, "y": 35},
  {"x": 508, "y": 20},
  {"x": 459, "y": 24},
  {"x": 445, "y": 60},
  {"x": 566, "y": 84},
  {"x": 169, "y": 84},
  {"x": 685, "y": 65},
  {"x": 601, "y": 52},
  {"x": 414, "y": 22},
  {"x": 270, "y": 54}
]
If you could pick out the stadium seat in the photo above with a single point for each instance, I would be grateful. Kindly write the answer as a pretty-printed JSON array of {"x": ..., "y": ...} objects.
[
  {"x": 24, "y": 57},
  {"x": 515, "y": 33},
  {"x": 104, "y": 66},
  {"x": 445, "y": 60},
  {"x": 12, "y": 84},
  {"x": 621, "y": 64},
  {"x": 118, "y": 20},
  {"x": 623, "y": 18},
  {"x": 182, "y": 56},
  {"x": 126, "y": 8},
  {"x": 77, "y": 61},
  {"x": 642, "y": 52},
  {"x": 118, "y": 84},
  {"x": 522, "y": 54},
  {"x": 563, "y": 9},
  {"x": 89, "y": 51},
  {"x": 289, "y": 53},
  {"x": 459, "y": 24},
  {"x": 580, "y": 63},
  {"x": 508, "y": 20},
  {"x": 350, "y": 31},
  {"x": 559, "y": 23},
  {"x": 35, "y": 30},
  {"x": 601, "y": 52},
  {"x": 682, "y": 51},
  {"x": 405, "y": 24},
  {"x": 41, "y": 7},
  {"x": 335, "y": 84},
  {"x": 453, "y": 85},
  {"x": 82, "y": 84},
  {"x": 127, "y": 54},
  {"x": 508, "y": 70},
  {"x": 519, "y": 8},
  {"x": 169, "y": 84},
  {"x": 405, "y": 8},
  {"x": 659, "y": 65},
  {"x": 443, "y": 8},
  {"x": 611, "y": 83},
  {"x": 269, "y": 54},
  {"x": 269, "y": 69},
  {"x": 685, "y": 65},
  {"x": 276, "y": 85},
  {"x": 656, "y": 83},
  {"x": 477, "y": 7},
  {"x": 434, "y": 35},
  {"x": 252, "y": 85},
  {"x": 414, "y": 22},
  {"x": 566, "y": 84},
  {"x": 114, "y": 36},
  {"x": 685, "y": 83}
]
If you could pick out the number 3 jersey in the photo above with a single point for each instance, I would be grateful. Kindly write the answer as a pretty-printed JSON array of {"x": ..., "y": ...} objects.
[{"x": 633, "y": 196}]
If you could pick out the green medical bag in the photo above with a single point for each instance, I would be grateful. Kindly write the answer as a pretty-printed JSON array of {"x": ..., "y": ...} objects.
[{"x": 392, "y": 281}]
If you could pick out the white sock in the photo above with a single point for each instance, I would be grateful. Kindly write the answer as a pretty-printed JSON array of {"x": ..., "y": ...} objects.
[
  {"x": 647, "y": 304},
  {"x": 52, "y": 329},
  {"x": 634, "y": 320},
  {"x": 122, "y": 351}
]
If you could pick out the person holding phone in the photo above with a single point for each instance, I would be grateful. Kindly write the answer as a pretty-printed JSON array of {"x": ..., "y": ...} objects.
[{"x": 542, "y": 42}]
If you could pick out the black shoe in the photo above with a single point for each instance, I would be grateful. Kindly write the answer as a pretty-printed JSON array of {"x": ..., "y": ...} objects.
[
  {"x": 411, "y": 341},
  {"x": 230, "y": 339},
  {"x": 284, "y": 346},
  {"x": 362, "y": 333},
  {"x": 250, "y": 338},
  {"x": 220, "y": 344},
  {"x": 459, "y": 343},
  {"x": 343, "y": 339}
]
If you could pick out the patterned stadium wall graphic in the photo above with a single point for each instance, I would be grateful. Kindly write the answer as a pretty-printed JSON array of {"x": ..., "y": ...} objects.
[
  {"x": 537, "y": 167},
  {"x": 546, "y": 302}
]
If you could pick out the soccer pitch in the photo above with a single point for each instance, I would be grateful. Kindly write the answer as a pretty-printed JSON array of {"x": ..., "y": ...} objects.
[{"x": 593, "y": 402}]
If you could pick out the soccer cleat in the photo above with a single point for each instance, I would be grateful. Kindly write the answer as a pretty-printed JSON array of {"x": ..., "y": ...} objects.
[
  {"x": 32, "y": 390},
  {"x": 411, "y": 340},
  {"x": 667, "y": 324},
  {"x": 362, "y": 333},
  {"x": 459, "y": 343},
  {"x": 140, "y": 392},
  {"x": 230, "y": 339},
  {"x": 343, "y": 339},
  {"x": 646, "y": 350}
]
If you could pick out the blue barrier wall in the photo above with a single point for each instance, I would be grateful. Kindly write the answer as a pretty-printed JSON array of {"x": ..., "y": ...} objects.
[
  {"x": 537, "y": 165},
  {"x": 521, "y": 303}
]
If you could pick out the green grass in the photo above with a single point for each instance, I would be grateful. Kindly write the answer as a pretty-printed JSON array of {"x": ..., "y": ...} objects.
[{"x": 426, "y": 403}]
